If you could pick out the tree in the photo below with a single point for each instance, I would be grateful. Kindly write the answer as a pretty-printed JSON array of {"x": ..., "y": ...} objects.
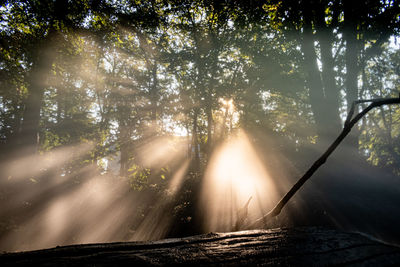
[
  {"x": 133, "y": 78},
  {"x": 36, "y": 29},
  {"x": 331, "y": 34},
  {"x": 380, "y": 131}
]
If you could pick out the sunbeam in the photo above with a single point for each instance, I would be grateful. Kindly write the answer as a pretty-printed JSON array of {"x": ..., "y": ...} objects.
[
  {"x": 93, "y": 209},
  {"x": 21, "y": 166},
  {"x": 157, "y": 222},
  {"x": 141, "y": 120},
  {"x": 159, "y": 151},
  {"x": 234, "y": 176},
  {"x": 177, "y": 179}
]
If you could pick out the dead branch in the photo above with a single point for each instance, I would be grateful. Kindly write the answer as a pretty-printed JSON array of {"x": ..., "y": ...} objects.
[
  {"x": 242, "y": 216},
  {"x": 348, "y": 125}
]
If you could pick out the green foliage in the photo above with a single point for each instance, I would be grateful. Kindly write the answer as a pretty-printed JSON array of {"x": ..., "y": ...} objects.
[
  {"x": 123, "y": 71},
  {"x": 139, "y": 178},
  {"x": 116, "y": 76},
  {"x": 380, "y": 135}
]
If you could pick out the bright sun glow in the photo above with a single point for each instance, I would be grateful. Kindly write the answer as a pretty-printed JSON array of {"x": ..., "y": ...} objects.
[
  {"x": 235, "y": 175},
  {"x": 227, "y": 105}
]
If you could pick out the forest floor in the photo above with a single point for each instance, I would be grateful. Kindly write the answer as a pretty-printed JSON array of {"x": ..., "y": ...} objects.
[{"x": 306, "y": 246}]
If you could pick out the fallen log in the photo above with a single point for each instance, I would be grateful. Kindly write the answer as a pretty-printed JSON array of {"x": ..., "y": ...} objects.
[{"x": 310, "y": 246}]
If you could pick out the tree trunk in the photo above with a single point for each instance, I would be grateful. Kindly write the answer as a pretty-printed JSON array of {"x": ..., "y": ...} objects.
[
  {"x": 195, "y": 141},
  {"x": 154, "y": 95},
  {"x": 323, "y": 91},
  {"x": 29, "y": 134},
  {"x": 43, "y": 58},
  {"x": 314, "y": 82},
  {"x": 8, "y": 144},
  {"x": 209, "y": 129},
  {"x": 312, "y": 246},
  {"x": 124, "y": 149},
  {"x": 325, "y": 39},
  {"x": 351, "y": 61}
]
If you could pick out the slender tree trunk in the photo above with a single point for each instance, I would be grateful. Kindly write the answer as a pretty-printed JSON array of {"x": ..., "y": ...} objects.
[
  {"x": 325, "y": 39},
  {"x": 8, "y": 144},
  {"x": 29, "y": 135},
  {"x": 331, "y": 89},
  {"x": 43, "y": 58},
  {"x": 314, "y": 82},
  {"x": 323, "y": 91},
  {"x": 195, "y": 141},
  {"x": 17, "y": 122},
  {"x": 209, "y": 128},
  {"x": 351, "y": 61},
  {"x": 154, "y": 94},
  {"x": 124, "y": 149}
]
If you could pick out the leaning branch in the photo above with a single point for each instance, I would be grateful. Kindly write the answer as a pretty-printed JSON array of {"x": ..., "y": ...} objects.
[{"x": 350, "y": 122}]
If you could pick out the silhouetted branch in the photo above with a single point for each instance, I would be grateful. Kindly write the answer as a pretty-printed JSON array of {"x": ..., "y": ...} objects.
[
  {"x": 346, "y": 130},
  {"x": 242, "y": 216}
]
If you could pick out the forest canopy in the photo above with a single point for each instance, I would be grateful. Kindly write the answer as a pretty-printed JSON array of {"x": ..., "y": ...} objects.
[{"x": 146, "y": 95}]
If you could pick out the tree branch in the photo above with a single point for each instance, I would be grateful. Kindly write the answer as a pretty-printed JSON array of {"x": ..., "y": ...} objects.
[{"x": 346, "y": 130}]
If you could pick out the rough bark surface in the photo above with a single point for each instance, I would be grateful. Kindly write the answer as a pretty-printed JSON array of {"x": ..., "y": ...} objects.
[{"x": 297, "y": 246}]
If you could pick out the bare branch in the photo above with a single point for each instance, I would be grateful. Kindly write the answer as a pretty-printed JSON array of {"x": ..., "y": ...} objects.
[{"x": 346, "y": 130}]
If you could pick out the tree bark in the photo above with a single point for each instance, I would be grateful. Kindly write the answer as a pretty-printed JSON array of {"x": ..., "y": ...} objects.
[
  {"x": 28, "y": 138},
  {"x": 323, "y": 90},
  {"x": 124, "y": 148},
  {"x": 154, "y": 94},
  {"x": 325, "y": 39},
  {"x": 311, "y": 246},
  {"x": 351, "y": 62},
  {"x": 313, "y": 80},
  {"x": 209, "y": 128},
  {"x": 195, "y": 141}
]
